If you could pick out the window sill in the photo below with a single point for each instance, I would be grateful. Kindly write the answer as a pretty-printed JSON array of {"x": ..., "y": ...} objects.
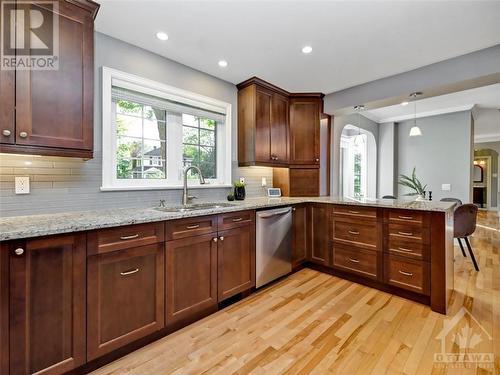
[{"x": 171, "y": 187}]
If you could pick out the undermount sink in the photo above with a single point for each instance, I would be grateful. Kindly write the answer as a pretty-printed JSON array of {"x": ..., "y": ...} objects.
[{"x": 194, "y": 207}]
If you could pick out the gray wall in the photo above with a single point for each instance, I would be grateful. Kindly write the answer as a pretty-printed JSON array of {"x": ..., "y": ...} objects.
[
  {"x": 442, "y": 155},
  {"x": 387, "y": 159},
  {"x": 62, "y": 184},
  {"x": 491, "y": 149}
]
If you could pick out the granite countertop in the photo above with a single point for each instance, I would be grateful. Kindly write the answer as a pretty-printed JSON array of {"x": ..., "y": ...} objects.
[{"x": 18, "y": 227}]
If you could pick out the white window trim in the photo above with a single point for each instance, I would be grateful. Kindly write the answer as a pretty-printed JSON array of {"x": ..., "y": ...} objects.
[{"x": 126, "y": 80}]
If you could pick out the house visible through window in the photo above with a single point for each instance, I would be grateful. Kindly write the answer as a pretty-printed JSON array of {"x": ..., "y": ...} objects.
[
  {"x": 199, "y": 145},
  {"x": 141, "y": 141},
  {"x": 153, "y": 135}
]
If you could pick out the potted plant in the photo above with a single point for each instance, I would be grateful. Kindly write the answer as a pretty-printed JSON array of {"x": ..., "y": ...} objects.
[
  {"x": 239, "y": 191},
  {"x": 414, "y": 184}
]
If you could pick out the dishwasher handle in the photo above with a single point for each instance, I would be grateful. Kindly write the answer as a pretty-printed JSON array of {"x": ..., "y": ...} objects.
[{"x": 275, "y": 213}]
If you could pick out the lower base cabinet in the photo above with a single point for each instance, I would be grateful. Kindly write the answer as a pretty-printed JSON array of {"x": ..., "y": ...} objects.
[
  {"x": 236, "y": 261},
  {"x": 191, "y": 273},
  {"x": 47, "y": 304},
  {"x": 319, "y": 234},
  {"x": 299, "y": 234},
  {"x": 125, "y": 297}
]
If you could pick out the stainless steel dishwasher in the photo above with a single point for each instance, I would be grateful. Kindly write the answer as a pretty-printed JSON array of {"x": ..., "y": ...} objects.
[{"x": 273, "y": 244}]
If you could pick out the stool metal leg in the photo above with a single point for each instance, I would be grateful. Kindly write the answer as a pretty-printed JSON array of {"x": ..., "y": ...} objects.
[
  {"x": 462, "y": 247},
  {"x": 471, "y": 253}
]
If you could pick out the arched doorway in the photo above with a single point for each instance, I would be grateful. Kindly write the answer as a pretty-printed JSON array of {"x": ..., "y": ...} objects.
[{"x": 358, "y": 163}]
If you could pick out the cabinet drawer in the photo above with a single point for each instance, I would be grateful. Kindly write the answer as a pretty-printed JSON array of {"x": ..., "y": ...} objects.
[
  {"x": 236, "y": 219},
  {"x": 360, "y": 234},
  {"x": 407, "y": 216},
  {"x": 355, "y": 212},
  {"x": 194, "y": 226},
  {"x": 125, "y": 297},
  {"x": 362, "y": 262},
  {"x": 410, "y": 249},
  {"x": 407, "y": 274},
  {"x": 119, "y": 238},
  {"x": 413, "y": 233}
]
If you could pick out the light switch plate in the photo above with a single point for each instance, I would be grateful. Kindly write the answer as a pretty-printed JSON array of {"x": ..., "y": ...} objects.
[
  {"x": 446, "y": 187},
  {"x": 22, "y": 185}
]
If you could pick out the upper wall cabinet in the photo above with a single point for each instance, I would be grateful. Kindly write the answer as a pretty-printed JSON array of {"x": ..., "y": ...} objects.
[
  {"x": 276, "y": 128},
  {"x": 53, "y": 111},
  {"x": 263, "y": 113},
  {"x": 305, "y": 115}
]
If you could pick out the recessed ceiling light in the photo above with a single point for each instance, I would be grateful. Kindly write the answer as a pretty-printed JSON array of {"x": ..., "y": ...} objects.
[
  {"x": 161, "y": 35},
  {"x": 307, "y": 49},
  {"x": 222, "y": 63},
  {"x": 404, "y": 103}
]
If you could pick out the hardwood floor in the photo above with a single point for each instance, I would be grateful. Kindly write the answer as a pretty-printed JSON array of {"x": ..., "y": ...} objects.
[{"x": 315, "y": 323}]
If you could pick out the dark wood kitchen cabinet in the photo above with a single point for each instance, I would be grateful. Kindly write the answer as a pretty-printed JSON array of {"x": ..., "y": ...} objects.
[
  {"x": 191, "y": 274},
  {"x": 125, "y": 297},
  {"x": 54, "y": 108},
  {"x": 7, "y": 105},
  {"x": 236, "y": 261},
  {"x": 319, "y": 233},
  {"x": 4, "y": 308},
  {"x": 299, "y": 244},
  {"x": 47, "y": 304},
  {"x": 305, "y": 115},
  {"x": 263, "y": 113}
]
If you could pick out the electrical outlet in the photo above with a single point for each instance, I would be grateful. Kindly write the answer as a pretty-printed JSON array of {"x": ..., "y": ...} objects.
[
  {"x": 446, "y": 187},
  {"x": 242, "y": 180},
  {"x": 22, "y": 185}
]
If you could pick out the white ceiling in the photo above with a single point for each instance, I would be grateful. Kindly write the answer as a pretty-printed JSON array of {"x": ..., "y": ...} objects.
[
  {"x": 482, "y": 97},
  {"x": 353, "y": 42}
]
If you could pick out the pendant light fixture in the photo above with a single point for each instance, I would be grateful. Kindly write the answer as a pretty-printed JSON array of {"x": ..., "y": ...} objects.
[
  {"x": 415, "y": 130},
  {"x": 358, "y": 139}
]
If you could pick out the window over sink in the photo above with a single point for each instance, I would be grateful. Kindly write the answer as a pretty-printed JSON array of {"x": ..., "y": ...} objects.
[{"x": 152, "y": 131}]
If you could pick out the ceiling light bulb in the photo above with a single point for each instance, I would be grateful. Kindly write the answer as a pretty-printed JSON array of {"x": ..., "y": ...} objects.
[
  {"x": 223, "y": 63},
  {"x": 307, "y": 49},
  {"x": 404, "y": 103},
  {"x": 161, "y": 35}
]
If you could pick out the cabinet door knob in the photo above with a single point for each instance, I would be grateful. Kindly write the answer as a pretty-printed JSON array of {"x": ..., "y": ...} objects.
[
  {"x": 215, "y": 239},
  {"x": 19, "y": 251},
  {"x": 317, "y": 160},
  {"x": 6, "y": 132},
  {"x": 23, "y": 134},
  {"x": 221, "y": 238}
]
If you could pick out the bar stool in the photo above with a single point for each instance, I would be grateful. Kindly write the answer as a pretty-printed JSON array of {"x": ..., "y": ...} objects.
[{"x": 464, "y": 219}]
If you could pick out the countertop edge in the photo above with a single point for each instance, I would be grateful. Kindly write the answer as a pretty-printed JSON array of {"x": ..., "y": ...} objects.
[{"x": 72, "y": 222}]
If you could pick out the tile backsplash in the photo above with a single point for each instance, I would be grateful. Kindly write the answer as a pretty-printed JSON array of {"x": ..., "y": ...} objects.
[{"x": 68, "y": 184}]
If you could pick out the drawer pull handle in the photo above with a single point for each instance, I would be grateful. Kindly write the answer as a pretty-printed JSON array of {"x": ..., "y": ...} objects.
[
  {"x": 406, "y": 217},
  {"x": 353, "y": 260},
  {"x": 19, "y": 251},
  {"x": 407, "y": 250},
  {"x": 129, "y": 237},
  {"x": 193, "y": 226},
  {"x": 406, "y": 233},
  {"x": 354, "y": 212},
  {"x": 405, "y": 273},
  {"x": 354, "y": 232},
  {"x": 238, "y": 219},
  {"x": 128, "y": 273}
]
